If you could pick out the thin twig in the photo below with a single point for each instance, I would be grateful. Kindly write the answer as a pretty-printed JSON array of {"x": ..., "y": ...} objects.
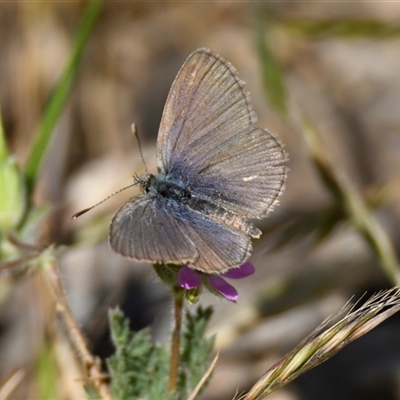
[
  {"x": 207, "y": 374},
  {"x": 91, "y": 363},
  {"x": 11, "y": 384}
]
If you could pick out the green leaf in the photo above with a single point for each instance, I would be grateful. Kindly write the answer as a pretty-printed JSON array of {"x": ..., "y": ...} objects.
[
  {"x": 139, "y": 368},
  {"x": 46, "y": 372},
  {"x": 3, "y": 144},
  {"x": 12, "y": 199},
  {"x": 196, "y": 349},
  {"x": 271, "y": 71},
  {"x": 60, "y": 94},
  {"x": 345, "y": 28},
  {"x": 12, "y": 188}
]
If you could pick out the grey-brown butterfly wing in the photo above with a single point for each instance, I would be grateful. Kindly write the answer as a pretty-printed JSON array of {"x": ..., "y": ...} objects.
[
  {"x": 155, "y": 230},
  {"x": 219, "y": 246},
  {"x": 206, "y": 98},
  {"x": 145, "y": 229},
  {"x": 207, "y": 138},
  {"x": 247, "y": 172},
  {"x": 234, "y": 171}
]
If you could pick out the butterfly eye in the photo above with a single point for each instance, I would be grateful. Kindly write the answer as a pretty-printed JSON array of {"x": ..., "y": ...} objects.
[
  {"x": 146, "y": 183},
  {"x": 144, "y": 186}
]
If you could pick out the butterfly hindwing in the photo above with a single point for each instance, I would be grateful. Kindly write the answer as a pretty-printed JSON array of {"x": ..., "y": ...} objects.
[{"x": 145, "y": 229}]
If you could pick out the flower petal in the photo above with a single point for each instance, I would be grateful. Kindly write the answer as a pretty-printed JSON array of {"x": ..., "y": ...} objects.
[
  {"x": 189, "y": 278},
  {"x": 244, "y": 270},
  {"x": 223, "y": 287}
]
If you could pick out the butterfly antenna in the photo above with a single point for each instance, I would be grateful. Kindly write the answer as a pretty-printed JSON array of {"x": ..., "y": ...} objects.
[
  {"x": 135, "y": 133},
  {"x": 78, "y": 214}
]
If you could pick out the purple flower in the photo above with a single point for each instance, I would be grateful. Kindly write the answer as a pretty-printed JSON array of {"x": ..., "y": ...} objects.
[{"x": 189, "y": 278}]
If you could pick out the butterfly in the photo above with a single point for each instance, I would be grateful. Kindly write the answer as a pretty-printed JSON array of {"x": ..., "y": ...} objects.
[{"x": 216, "y": 172}]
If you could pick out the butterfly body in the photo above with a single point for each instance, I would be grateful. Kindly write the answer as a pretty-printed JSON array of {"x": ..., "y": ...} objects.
[{"x": 160, "y": 185}]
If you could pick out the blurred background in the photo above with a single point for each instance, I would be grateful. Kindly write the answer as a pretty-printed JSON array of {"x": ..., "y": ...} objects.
[{"x": 338, "y": 63}]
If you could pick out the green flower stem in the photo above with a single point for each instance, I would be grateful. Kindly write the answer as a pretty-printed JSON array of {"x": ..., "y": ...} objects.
[{"x": 176, "y": 342}]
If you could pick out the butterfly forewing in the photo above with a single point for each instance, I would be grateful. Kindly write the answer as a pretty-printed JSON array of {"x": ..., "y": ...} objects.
[
  {"x": 207, "y": 139},
  {"x": 206, "y": 105}
]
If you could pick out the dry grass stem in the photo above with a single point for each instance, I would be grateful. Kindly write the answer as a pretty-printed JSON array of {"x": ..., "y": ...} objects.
[
  {"x": 322, "y": 345},
  {"x": 92, "y": 364},
  {"x": 351, "y": 202},
  {"x": 7, "y": 389},
  {"x": 202, "y": 381}
]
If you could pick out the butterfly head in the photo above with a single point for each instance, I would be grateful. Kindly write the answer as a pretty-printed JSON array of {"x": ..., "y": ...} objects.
[{"x": 145, "y": 182}]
